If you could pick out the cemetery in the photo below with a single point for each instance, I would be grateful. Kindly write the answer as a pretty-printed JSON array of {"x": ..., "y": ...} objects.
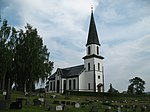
[{"x": 74, "y": 103}]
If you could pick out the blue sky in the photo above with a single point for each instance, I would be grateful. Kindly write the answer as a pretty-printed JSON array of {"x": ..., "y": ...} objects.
[{"x": 123, "y": 27}]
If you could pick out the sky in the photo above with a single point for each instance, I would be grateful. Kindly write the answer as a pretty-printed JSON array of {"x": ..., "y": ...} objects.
[{"x": 123, "y": 28}]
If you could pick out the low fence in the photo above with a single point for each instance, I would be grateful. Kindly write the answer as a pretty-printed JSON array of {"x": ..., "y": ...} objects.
[{"x": 102, "y": 94}]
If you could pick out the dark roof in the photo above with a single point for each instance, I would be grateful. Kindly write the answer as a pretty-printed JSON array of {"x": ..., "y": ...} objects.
[
  {"x": 52, "y": 77},
  {"x": 92, "y": 36},
  {"x": 93, "y": 55},
  {"x": 68, "y": 72},
  {"x": 72, "y": 71}
]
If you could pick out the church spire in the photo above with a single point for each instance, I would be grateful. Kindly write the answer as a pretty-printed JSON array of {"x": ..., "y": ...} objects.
[{"x": 92, "y": 35}]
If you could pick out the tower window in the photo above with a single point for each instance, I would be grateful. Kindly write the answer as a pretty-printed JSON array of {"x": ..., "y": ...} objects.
[
  {"x": 97, "y": 50},
  {"x": 98, "y": 66},
  {"x": 89, "y": 86},
  {"x": 88, "y": 66},
  {"x": 98, "y": 76},
  {"x": 89, "y": 50}
]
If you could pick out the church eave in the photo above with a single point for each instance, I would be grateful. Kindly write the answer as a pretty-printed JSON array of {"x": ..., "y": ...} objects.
[{"x": 93, "y": 56}]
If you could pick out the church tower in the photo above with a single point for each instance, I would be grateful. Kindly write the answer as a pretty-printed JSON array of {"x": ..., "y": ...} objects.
[{"x": 93, "y": 61}]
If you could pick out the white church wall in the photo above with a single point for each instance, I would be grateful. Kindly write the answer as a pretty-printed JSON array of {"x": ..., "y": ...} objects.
[
  {"x": 82, "y": 85},
  {"x": 72, "y": 83},
  {"x": 93, "y": 49},
  {"x": 51, "y": 86}
]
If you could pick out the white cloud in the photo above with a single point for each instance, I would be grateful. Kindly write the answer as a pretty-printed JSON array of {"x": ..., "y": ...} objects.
[
  {"x": 127, "y": 60},
  {"x": 63, "y": 26}
]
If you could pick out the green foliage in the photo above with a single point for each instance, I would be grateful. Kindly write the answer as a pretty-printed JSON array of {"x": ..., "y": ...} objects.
[
  {"x": 112, "y": 90},
  {"x": 136, "y": 86},
  {"x": 24, "y": 59}
]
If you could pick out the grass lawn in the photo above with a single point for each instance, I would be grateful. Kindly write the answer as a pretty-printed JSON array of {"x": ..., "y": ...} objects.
[{"x": 86, "y": 103}]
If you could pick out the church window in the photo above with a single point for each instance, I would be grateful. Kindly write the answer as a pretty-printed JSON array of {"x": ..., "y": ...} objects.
[
  {"x": 89, "y": 50},
  {"x": 98, "y": 76},
  {"x": 97, "y": 50},
  {"x": 65, "y": 84},
  {"x": 69, "y": 84},
  {"x": 74, "y": 84},
  {"x": 89, "y": 86},
  {"x": 98, "y": 66},
  {"x": 51, "y": 86},
  {"x": 88, "y": 66}
]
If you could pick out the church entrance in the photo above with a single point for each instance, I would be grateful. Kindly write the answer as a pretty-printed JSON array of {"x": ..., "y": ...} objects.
[
  {"x": 58, "y": 86},
  {"x": 99, "y": 87}
]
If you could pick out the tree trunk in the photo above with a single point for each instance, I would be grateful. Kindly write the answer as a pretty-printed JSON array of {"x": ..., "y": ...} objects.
[
  {"x": 30, "y": 86},
  {"x": 8, "y": 95},
  {"x": 25, "y": 87},
  {"x": 3, "y": 82}
]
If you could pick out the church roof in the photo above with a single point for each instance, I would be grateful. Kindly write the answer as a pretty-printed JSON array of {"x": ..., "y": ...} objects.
[
  {"x": 92, "y": 35},
  {"x": 72, "y": 71},
  {"x": 68, "y": 72}
]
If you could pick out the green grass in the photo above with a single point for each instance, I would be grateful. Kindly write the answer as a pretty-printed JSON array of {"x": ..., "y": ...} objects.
[{"x": 139, "y": 101}]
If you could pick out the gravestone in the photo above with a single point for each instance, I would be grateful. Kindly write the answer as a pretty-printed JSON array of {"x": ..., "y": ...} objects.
[
  {"x": 77, "y": 105},
  {"x": 16, "y": 105},
  {"x": 41, "y": 99},
  {"x": 59, "y": 107},
  {"x": 68, "y": 103},
  {"x": 56, "y": 102},
  {"x": 118, "y": 109},
  {"x": 63, "y": 102},
  {"x": 107, "y": 109},
  {"x": 53, "y": 96}
]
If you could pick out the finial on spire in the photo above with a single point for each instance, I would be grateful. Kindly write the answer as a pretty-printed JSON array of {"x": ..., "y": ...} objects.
[{"x": 91, "y": 8}]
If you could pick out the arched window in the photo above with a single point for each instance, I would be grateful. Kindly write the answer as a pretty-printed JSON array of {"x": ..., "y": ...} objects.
[
  {"x": 89, "y": 50},
  {"x": 98, "y": 66},
  {"x": 88, "y": 66},
  {"x": 74, "y": 84},
  {"x": 89, "y": 86},
  {"x": 97, "y": 50},
  {"x": 70, "y": 85}
]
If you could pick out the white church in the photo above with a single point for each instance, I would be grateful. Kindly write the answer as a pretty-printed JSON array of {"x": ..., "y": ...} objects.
[{"x": 86, "y": 77}]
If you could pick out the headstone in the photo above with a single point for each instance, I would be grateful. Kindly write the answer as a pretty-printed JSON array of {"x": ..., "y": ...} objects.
[
  {"x": 63, "y": 102},
  {"x": 77, "y": 105},
  {"x": 41, "y": 99},
  {"x": 56, "y": 102},
  {"x": 59, "y": 107},
  {"x": 107, "y": 108},
  {"x": 53, "y": 96},
  {"x": 4, "y": 93},
  {"x": 118, "y": 109},
  {"x": 16, "y": 105},
  {"x": 68, "y": 103}
]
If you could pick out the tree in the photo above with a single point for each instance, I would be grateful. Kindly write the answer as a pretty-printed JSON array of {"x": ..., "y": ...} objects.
[
  {"x": 136, "y": 86},
  {"x": 32, "y": 57},
  {"x": 5, "y": 57},
  {"x": 112, "y": 90}
]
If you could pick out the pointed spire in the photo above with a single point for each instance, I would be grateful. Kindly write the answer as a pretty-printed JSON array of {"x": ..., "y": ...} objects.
[{"x": 92, "y": 36}]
